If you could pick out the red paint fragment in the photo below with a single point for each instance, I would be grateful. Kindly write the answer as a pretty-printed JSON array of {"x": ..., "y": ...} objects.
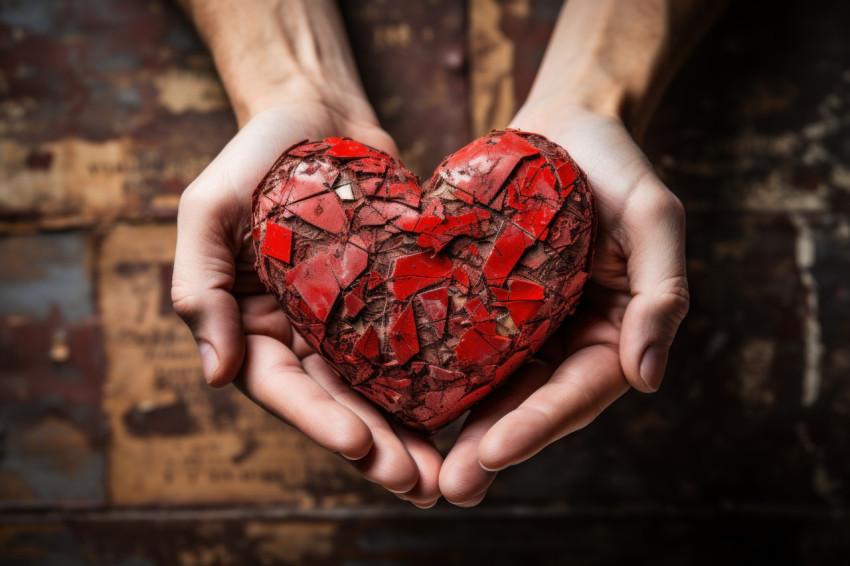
[
  {"x": 438, "y": 401},
  {"x": 278, "y": 242},
  {"x": 403, "y": 338},
  {"x": 476, "y": 347},
  {"x": 322, "y": 211},
  {"x": 413, "y": 273},
  {"x": 348, "y": 148},
  {"x": 567, "y": 175},
  {"x": 368, "y": 344},
  {"x": 375, "y": 279},
  {"x": 353, "y": 305},
  {"x": 522, "y": 298},
  {"x": 441, "y": 374},
  {"x": 461, "y": 278},
  {"x": 509, "y": 246},
  {"x": 314, "y": 281},
  {"x": 307, "y": 180},
  {"x": 368, "y": 166},
  {"x": 437, "y": 236},
  {"x": 394, "y": 384},
  {"x": 435, "y": 303},
  {"x": 523, "y": 311},
  {"x": 347, "y": 263}
]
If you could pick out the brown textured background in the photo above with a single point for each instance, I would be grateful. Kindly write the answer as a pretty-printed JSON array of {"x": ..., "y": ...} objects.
[{"x": 113, "y": 452}]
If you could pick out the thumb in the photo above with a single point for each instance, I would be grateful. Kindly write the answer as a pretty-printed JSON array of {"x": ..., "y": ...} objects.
[
  {"x": 204, "y": 273},
  {"x": 655, "y": 223}
]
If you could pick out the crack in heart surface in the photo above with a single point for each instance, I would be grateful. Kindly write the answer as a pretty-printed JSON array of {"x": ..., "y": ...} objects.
[{"x": 425, "y": 300}]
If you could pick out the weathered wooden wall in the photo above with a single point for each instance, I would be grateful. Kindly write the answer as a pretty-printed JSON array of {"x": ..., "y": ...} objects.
[{"x": 113, "y": 452}]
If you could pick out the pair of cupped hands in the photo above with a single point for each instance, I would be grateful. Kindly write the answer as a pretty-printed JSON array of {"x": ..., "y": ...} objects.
[{"x": 619, "y": 337}]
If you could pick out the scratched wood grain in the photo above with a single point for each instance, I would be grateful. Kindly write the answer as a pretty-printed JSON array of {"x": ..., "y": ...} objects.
[{"x": 108, "y": 109}]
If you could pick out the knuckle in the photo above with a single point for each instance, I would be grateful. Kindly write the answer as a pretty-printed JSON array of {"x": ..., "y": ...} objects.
[
  {"x": 202, "y": 195},
  {"x": 190, "y": 197},
  {"x": 661, "y": 203},
  {"x": 587, "y": 408},
  {"x": 185, "y": 303},
  {"x": 653, "y": 199},
  {"x": 671, "y": 303},
  {"x": 676, "y": 298}
]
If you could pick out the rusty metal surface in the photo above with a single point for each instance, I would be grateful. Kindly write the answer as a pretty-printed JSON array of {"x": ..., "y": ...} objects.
[{"x": 107, "y": 110}]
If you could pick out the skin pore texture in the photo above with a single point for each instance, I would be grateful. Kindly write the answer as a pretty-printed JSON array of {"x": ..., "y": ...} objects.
[{"x": 289, "y": 73}]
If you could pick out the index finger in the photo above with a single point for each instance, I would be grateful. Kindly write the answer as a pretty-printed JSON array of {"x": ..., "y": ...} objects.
[{"x": 578, "y": 391}]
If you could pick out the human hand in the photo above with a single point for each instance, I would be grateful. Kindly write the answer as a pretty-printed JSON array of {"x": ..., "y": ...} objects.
[
  {"x": 243, "y": 334},
  {"x": 625, "y": 323}
]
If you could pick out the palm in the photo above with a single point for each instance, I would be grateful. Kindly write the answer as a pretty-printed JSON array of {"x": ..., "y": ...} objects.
[
  {"x": 254, "y": 339},
  {"x": 594, "y": 357}
]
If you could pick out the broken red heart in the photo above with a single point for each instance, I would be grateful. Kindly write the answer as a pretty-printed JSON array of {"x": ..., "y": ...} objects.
[{"x": 425, "y": 300}]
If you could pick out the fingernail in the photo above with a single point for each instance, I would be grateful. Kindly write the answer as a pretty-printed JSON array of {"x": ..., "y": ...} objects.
[
  {"x": 492, "y": 470},
  {"x": 209, "y": 360},
  {"x": 652, "y": 366},
  {"x": 473, "y": 501}
]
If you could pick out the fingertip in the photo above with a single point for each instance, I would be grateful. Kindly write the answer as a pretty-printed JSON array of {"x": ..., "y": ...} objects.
[
  {"x": 649, "y": 327},
  {"x": 652, "y": 366},
  {"x": 428, "y": 462},
  {"x": 491, "y": 470},
  {"x": 516, "y": 437},
  {"x": 427, "y": 504},
  {"x": 389, "y": 464},
  {"x": 213, "y": 317},
  {"x": 352, "y": 439},
  {"x": 463, "y": 480},
  {"x": 472, "y": 502},
  {"x": 211, "y": 366},
  {"x": 209, "y": 361}
]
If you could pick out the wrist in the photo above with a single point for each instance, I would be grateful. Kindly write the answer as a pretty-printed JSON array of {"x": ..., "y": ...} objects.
[
  {"x": 564, "y": 100},
  {"x": 272, "y": 52},
  {"x": 250, "y": 98},
  {"x": 615, "y": 57},
  {"x": 589, "y": 84}
]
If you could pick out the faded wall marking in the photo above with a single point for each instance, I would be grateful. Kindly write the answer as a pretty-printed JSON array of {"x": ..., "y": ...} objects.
[{"x": 805, "y": 258}]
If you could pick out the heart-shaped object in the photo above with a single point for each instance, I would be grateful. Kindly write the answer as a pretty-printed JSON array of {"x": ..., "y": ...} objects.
[{"x": 425, "y": 300}]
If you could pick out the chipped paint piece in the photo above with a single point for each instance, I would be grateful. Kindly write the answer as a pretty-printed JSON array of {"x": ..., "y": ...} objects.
[
  {"x": 523, "y": 299},
  {"x": 278, "y": 242},
  {"x": 403, "y": 338},
  {"x": 344, "y": 192},
  {"x": 435, "y": 305},
  {"x": 412, "y": 273},
  {"x": 422, "y": 277}
]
